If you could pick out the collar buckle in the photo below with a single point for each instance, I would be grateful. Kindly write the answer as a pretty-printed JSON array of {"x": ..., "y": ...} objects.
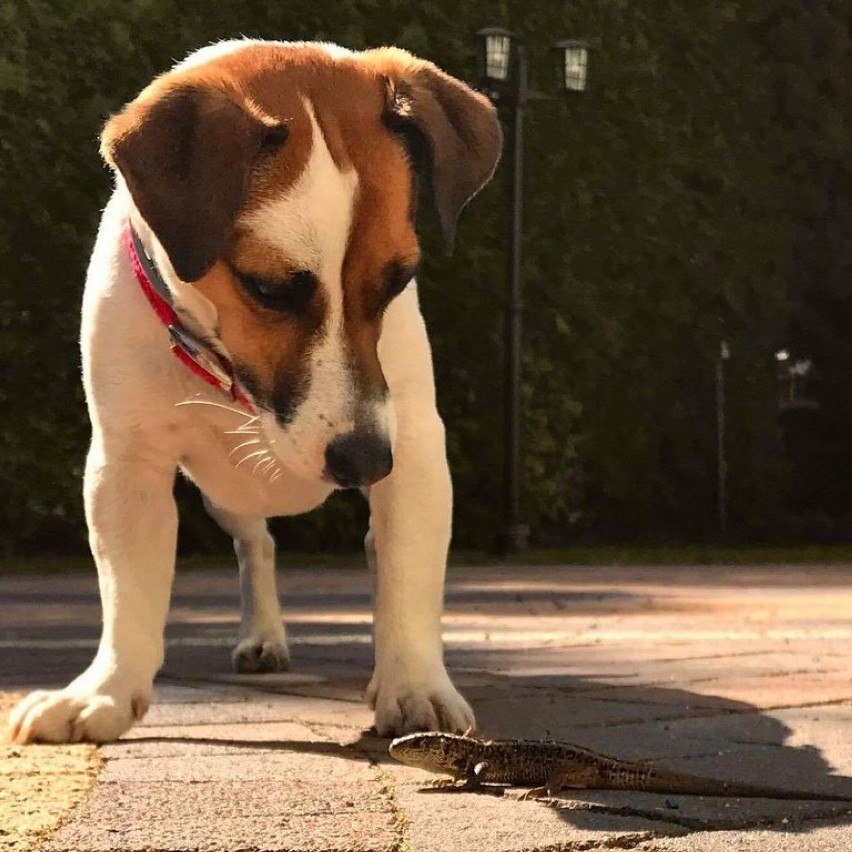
[{"x": 193, "y": 349}]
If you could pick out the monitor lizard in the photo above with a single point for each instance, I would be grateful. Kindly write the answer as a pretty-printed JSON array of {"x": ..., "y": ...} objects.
[{"x": 550, "y": 767}]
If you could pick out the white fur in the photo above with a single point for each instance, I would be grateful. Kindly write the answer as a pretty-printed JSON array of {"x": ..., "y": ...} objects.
[{"x": 248, "y": 470}]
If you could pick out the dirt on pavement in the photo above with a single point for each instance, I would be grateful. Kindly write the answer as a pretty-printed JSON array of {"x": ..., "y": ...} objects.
[{"x": 39, "y": 785}]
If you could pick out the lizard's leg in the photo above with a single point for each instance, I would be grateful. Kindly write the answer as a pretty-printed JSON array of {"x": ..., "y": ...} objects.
[
  {"x": 468, "y": 777},
  {"x": 544, "y": 792},
  {"x": 573, "y": 778},
  {"x": 536, "y": 793},
  {"x": 448, "y": 784},
  {"x": 467, "y": 781}
]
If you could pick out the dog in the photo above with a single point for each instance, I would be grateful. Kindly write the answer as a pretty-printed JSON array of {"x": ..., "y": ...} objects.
[{"x": 251, "y": 319}]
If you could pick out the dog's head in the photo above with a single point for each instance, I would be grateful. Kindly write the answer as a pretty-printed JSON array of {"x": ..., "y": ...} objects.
[{"x": 280, "y": 181}]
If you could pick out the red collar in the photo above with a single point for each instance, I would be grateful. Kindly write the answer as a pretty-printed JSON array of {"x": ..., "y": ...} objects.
[{"x": 209, "y": 365}]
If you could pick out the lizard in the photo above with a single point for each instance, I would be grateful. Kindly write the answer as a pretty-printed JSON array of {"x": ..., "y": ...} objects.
[{"x": 550, "y": 767}]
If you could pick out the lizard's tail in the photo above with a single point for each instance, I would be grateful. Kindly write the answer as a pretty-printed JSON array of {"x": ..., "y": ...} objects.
[{"x": 653, "y": 780}]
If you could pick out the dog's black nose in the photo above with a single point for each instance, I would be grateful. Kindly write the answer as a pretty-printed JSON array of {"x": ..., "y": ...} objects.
[{"x": 358, "y": 458}]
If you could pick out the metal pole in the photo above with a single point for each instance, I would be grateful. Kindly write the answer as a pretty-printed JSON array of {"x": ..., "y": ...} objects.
[
  {"x": 721, "y": 460},
  {"x": 515, "y": 533}
]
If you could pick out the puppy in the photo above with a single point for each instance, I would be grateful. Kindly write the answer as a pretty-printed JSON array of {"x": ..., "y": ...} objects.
[{"x": 251, "y": 318}]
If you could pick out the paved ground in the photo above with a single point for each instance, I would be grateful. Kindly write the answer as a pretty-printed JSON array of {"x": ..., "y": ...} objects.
[{"x": 740, "y": 673}]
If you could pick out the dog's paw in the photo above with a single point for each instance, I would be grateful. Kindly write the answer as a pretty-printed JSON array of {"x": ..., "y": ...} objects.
[
  {"x": 254, "y": 656},
  {"x": 404, "y": 707},
  {"x": 64, "y": 716}
]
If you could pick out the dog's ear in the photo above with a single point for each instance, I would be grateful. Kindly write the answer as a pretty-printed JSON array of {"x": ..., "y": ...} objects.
[
  {"x": 460, "y": 130},
  {"x": 187, "y": 157}
]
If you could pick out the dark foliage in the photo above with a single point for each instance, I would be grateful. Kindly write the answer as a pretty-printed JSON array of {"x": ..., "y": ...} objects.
[{"x": 667, "y": 209}]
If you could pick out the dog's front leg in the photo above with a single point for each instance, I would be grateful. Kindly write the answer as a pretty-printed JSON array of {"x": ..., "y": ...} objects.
[
  {"x": 132, "y": 531},
  {"x": 410, "y": 519}
]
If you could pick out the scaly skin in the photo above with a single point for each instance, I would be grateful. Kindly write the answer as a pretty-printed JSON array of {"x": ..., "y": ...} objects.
[{"x": 554, "y": 766}]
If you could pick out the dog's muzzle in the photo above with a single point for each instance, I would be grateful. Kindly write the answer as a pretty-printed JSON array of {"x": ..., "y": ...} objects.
[{"x": 358, "y": 459}]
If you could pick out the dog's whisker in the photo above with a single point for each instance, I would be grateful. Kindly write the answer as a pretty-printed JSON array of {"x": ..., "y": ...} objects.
[
  {"x": 251, "y": 456},
  {"x": 252, "y": 425},
  {"x": 260, "y": 461},
  {"x": 214, "y": 405},
  {"x": 244, "y": 444}
]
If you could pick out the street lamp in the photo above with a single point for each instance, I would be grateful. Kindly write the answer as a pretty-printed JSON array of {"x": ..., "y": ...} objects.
[
  {"x": 495, "y": 54},
  {"x": 721, "y": 456},
  {"x": 505, "y": 71}
]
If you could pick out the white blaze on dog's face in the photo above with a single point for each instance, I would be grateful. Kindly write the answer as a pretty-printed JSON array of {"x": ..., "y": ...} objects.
[{"x": 280, "y": 180}]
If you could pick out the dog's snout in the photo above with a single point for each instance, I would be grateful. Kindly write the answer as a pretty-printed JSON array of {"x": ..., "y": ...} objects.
[{"x": 358, "y": 459}]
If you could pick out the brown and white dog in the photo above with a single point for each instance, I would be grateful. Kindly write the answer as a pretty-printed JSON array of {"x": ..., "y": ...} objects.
[{"x": 264, "y": 212}]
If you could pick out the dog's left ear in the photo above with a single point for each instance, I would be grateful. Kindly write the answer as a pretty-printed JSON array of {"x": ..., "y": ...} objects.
[
  {"x": 461, "y": 131},
  {"x": 187, "y": 156}
]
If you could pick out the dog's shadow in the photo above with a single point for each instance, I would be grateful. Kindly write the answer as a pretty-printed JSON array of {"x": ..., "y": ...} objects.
[
  {"x": 677, "y": 729},
  {"x": 686, "y": 731}
]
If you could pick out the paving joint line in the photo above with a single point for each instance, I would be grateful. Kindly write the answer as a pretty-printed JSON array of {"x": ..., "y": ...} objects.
[
  {"x": 387, "y": 793},
  {"x": 97, "y": 762},
  {"x": 774, "y": 673},
  {"x": 692, "y": 824},
  {"x": 828, "y": 703},
  {"x": 720, "y": 712},
  {"x": 278, "y": 689},
  {"x": 293, "y": 720}
]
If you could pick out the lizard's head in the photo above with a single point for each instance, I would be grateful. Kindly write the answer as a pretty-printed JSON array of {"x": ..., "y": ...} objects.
[{"x": 447, "y": 754}]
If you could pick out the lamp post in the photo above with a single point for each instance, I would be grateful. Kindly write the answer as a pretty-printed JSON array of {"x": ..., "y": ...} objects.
[
  {"x": 505, "y": 71},
  {"x": 721, "y": 457}
]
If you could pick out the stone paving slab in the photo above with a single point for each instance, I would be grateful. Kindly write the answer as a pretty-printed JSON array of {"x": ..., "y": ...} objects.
[
  {"x": 457, "y": 822},
  {"x": 221, "y": 817},
  {"x": 273, "y": 785}
]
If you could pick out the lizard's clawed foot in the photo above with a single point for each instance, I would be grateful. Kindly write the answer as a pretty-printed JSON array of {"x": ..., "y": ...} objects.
[
  {"x": 536, "y": 793},
  {"x": 445, "y": 784}
]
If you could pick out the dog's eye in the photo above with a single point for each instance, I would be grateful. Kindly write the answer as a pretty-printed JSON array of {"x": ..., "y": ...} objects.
[
  {"x": 292, "y": 295},
  {"x": 397, "y": 277}
]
